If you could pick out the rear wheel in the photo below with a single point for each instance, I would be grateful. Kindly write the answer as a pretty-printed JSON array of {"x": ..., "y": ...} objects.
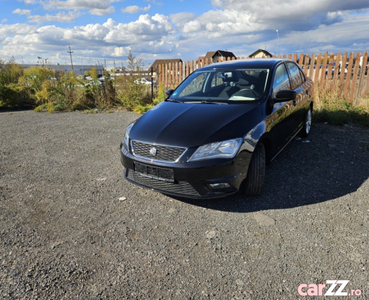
[
  {"x": 307, "y": 125},
  {"x": 255, "y": 180}
]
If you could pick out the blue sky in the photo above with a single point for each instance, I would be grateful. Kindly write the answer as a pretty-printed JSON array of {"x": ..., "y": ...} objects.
[{"x": 104, "y": 31}]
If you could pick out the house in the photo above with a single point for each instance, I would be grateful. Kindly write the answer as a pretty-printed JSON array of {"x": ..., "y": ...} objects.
[
  {"x": 215, "y": 56},
  {"x": 260, "y": 54}
]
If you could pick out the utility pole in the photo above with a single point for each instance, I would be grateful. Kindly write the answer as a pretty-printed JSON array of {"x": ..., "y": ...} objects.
[
  {"x": 70, "y": 53},
  {"x": 278, "y": 40}
]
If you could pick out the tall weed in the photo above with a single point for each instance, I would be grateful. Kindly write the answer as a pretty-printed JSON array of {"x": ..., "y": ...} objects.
[
  {"x": 333, "y": 108},
  {"x": 12, "y": 95},
  {"x": 131, "y": 94}
]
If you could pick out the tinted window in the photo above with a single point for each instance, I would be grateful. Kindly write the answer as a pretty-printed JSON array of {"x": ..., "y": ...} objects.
[
  {"x": 281, "y": 81},
  {"x": 295, "y": 73},
  {"x": 244, "y": 84}
]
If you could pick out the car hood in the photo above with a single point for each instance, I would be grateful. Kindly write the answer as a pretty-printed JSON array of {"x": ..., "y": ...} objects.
[{"x": 194, "y": 124}]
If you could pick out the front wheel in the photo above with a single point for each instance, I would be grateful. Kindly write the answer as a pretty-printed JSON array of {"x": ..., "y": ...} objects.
[
  {"x": 255, "y": 180},
  {"x": 307, "y": 124}
]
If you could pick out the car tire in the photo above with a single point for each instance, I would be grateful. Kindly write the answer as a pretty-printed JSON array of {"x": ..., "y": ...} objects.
[
  {"x": 255, "y": 180},
  {"x": 307, "y": 124}
]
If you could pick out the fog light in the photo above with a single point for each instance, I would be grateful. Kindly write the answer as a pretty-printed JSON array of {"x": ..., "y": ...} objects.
[{"x": 219, "y": 185}]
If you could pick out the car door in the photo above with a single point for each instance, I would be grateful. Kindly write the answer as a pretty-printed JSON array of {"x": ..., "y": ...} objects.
[
  {"x": 297, "y": 79},
  {"x": 281, "y": 120}
]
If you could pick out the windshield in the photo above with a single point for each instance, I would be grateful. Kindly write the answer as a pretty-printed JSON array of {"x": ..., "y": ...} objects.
[{"x": 223, "y": 85}]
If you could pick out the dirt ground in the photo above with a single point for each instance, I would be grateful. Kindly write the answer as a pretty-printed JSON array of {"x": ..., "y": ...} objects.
[{"x": 71, "y": 227}]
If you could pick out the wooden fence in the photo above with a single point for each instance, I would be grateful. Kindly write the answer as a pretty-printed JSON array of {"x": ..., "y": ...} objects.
[{"x": 343, "y": 74}]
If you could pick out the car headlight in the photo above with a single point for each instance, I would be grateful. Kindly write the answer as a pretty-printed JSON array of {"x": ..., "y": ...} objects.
[
  {"x": 126, "y": 136},
  {"x": 225, "y": 149}
]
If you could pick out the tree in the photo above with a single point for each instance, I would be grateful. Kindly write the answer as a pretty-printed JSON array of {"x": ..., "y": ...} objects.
[{"x": 134, "y": 63}]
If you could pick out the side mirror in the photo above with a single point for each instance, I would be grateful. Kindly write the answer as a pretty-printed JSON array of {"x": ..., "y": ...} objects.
[
  {"x": 285, "y": 95},
  {"x": 169, "y": 92}
]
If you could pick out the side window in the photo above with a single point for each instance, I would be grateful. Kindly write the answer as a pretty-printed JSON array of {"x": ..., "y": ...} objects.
[
  {"x": 281, "y": 81},
  {"x": 217, "y": 79},
  {"x": 295, "y": 73}
]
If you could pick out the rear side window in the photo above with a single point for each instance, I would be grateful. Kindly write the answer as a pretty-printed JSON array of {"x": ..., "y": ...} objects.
[{"x": 297, "y": 78}]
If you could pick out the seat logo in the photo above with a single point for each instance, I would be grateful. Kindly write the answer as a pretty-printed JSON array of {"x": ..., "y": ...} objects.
[{"x": 153, "y": 151}]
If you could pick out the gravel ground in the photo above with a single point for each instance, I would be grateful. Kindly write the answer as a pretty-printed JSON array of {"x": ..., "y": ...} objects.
[{"x": 71, "y": 227}]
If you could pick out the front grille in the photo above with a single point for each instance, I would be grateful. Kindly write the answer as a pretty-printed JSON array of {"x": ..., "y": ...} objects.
[
  {"x": 158, "y": 152},
  {"x": 180, "y": 188}
]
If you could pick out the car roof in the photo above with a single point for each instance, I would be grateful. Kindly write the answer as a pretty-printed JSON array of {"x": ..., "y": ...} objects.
[{"x": 247, "y": 63}]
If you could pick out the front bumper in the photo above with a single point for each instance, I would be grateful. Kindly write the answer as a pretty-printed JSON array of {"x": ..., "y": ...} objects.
[{"x": 202, "y": 179}]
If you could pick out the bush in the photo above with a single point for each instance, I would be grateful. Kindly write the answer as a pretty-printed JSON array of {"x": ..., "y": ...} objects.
[
  {"x": 12, "y": 95},
  {"x": 45, "y": 89},
  {"x": 161, "y": 94},
  {"x": 130, "y": 94},
  {"x": 98, "y": 94}
]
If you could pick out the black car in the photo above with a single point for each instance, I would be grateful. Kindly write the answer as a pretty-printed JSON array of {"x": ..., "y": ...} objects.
[{"x": 215, "y": 133}]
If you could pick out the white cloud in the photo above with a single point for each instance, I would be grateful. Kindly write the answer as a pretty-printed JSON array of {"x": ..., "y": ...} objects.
[
  {"x": 95, "y": 7},
  {"x": 29, "y": 1},
  {"x": 59, "y": 17},
  {"x": 102, "y": 12},
  {"x": 328, "y": 34},
  {"x": 134, "y": 9},
  {"x": 89, "y": 34},
  {"x": 21, "y": 12},
  {"x": 333, "y": 17},
  {"x": 192, "y": 26},
  {"x": 21, "y": 29},
  {"x": 111, "y": 38},
  {"x": 236, "y": 25},
  {"x": 77, "y": 4},
  {"x": 120, "y": 51},
  {"x": 246, "y": 25},
  {"x": 180, "y": 18},
  {"x": 144, "y": 30},
  {"x": 337, "y": 37},
  {"x": 218, "y": 3}
]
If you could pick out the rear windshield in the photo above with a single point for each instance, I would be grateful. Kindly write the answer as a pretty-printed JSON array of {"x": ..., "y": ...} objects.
[{"x": 223, "y": 85}]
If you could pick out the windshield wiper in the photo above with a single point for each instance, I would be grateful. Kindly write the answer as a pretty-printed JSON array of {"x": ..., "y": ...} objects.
[
  {"x": 202, "y": 101},
  {"x": 212, "y": 102},
  {"x": 173, "y": 100}
]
